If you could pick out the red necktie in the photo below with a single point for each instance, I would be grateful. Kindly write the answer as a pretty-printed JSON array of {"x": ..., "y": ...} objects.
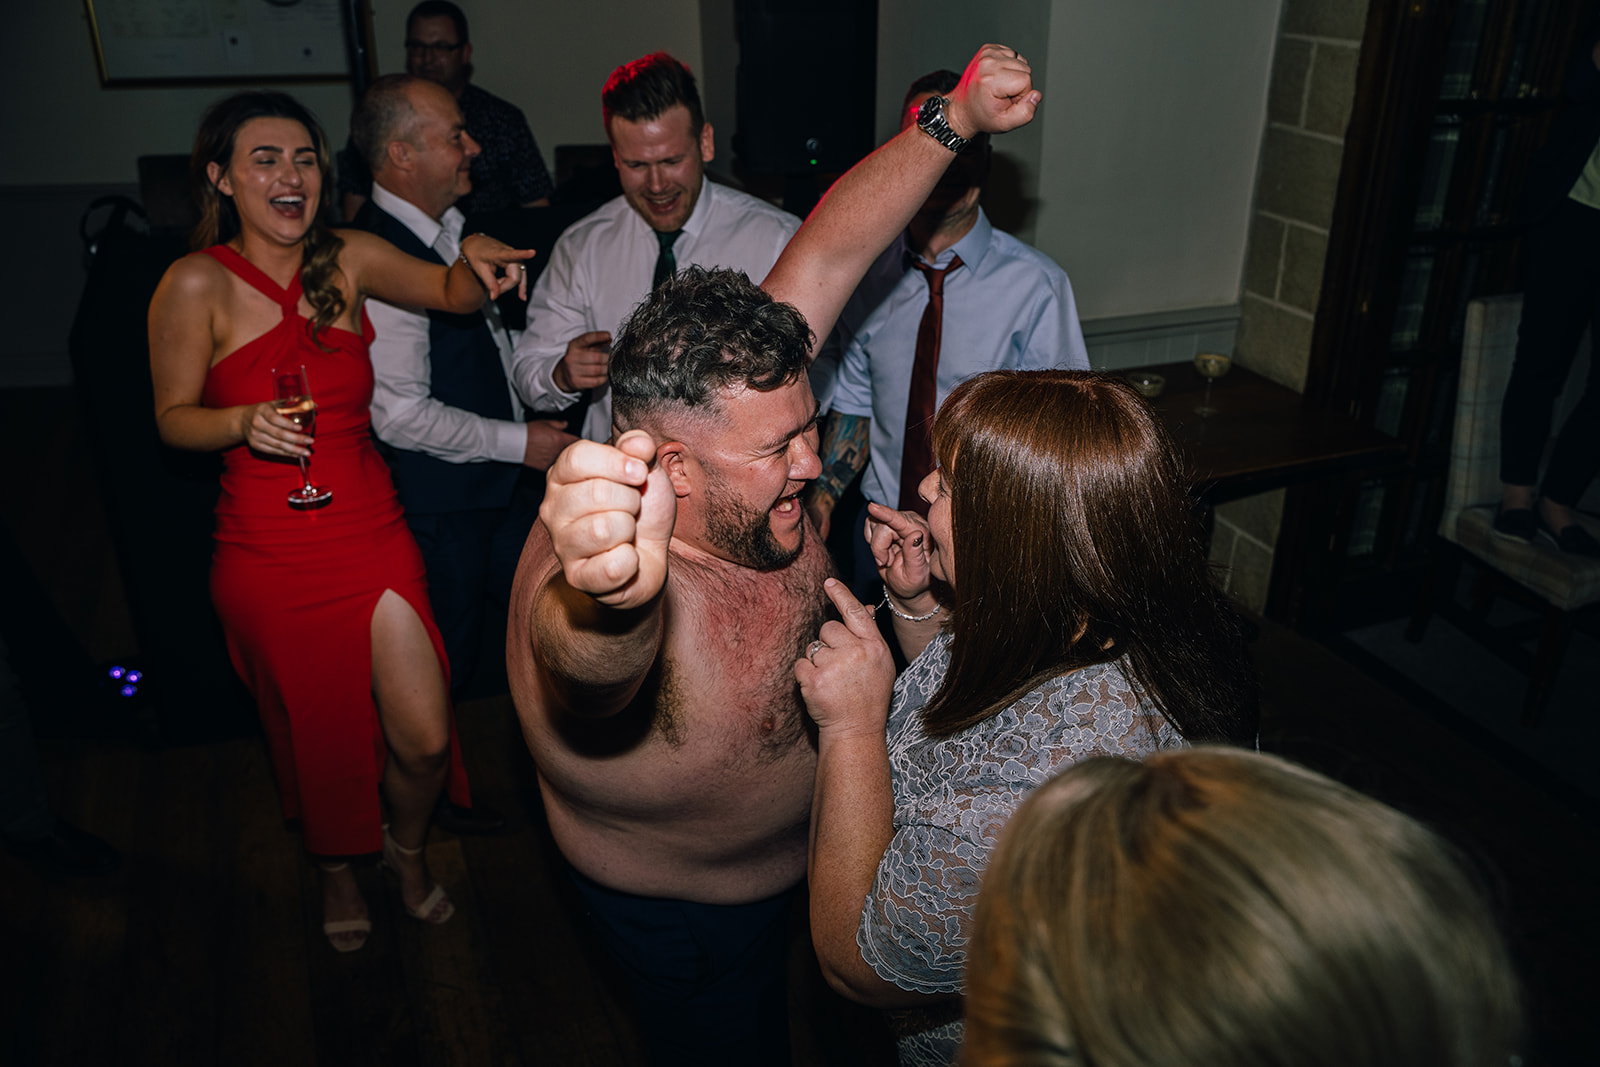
[{"x": 916, "y": 461}]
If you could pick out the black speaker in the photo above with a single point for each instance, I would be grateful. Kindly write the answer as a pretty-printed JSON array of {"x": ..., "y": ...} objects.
[{"x": 806, "y": 84}]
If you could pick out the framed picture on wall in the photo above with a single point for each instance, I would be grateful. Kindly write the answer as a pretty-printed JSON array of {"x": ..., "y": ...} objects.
[{"x": 149, "y": 42}]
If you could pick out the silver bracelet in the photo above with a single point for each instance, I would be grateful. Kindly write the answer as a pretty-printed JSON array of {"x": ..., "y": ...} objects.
[
  {"x": 909, "y": 618},
  {"x": 461, "y": 253}
]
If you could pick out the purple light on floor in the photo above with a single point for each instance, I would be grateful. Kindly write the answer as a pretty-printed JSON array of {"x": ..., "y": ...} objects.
[
  {"x": 116, "y": 672},
  {"x": 134, "y": 676},
  {"x": 128, "y": 690}
]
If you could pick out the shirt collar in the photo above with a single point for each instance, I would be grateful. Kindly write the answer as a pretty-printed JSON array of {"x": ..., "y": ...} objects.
[
  {"x": 702, "y": 207},
  {"x": 972, "y": 247},
  {"x": 415, "y": 219}
]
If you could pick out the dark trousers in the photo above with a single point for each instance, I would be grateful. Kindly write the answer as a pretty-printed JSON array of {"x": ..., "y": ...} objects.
[
  {"x": 471, "y": 558},
  {"x": 1561, "y": 296},
  {"x": 709, "y": 981}
]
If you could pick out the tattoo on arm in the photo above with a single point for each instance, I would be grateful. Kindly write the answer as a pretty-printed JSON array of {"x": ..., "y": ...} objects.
[{"x": 844, "y": 452}]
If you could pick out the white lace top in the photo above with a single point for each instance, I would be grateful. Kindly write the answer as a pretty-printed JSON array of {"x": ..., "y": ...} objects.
[{"x": 952, "y": 796}]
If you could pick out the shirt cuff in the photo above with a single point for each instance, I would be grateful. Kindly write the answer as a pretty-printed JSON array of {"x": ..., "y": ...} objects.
[
  {"x": 510, "y": 442},
  {"x": 551, "y": 396}
]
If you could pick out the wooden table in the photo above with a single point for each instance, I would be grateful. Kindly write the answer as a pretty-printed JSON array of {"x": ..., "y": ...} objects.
[{"x": 1260, "y": 438}]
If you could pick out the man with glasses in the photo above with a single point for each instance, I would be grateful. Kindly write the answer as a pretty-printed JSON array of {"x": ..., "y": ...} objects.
[{"x": 509, "y": 172}]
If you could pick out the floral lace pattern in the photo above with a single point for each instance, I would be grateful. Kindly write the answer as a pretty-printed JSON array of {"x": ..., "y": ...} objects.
[{"x": 952, "y": 796}]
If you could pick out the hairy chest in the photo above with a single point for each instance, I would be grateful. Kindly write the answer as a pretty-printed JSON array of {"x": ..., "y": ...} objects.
[{"x": 733, "y": 638}]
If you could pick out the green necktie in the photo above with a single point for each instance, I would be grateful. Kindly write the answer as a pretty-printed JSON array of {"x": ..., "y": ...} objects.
[{"x": 666, "y": 262}]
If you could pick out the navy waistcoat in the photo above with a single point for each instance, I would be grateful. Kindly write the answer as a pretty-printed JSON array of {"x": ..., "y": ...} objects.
[{"x": 464, "y": 372}]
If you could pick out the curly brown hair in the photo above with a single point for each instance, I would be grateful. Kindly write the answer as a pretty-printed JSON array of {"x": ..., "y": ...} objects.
[
  {"x": 219, "y": 219},
  {"x": 700, "y": 332}
]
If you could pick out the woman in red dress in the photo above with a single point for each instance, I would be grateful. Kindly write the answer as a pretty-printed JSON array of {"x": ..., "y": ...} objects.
[{"x": 326, "y": 610}]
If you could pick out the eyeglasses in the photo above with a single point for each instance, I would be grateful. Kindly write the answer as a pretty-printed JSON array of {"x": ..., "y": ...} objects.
[{"x": 437, "y": 48}]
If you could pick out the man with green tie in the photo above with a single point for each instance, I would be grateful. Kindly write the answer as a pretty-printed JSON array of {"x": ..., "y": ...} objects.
[{"x": 668, "y": 217}]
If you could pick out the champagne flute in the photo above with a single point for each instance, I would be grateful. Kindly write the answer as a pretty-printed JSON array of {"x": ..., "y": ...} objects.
[
  {"x": 1211, "y": 365},
  {"x": 291, "y": 398}
]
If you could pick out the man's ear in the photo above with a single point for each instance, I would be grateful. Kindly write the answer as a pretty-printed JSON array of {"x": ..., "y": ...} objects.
[
  {"x": 675, "y": 459},
  {"x": 219, "y": 178},
  {"x": 399, "y": 154},
  {"x": 708, "y": 143}
]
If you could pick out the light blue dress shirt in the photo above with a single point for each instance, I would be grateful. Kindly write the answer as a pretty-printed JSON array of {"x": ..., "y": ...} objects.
[{"x": 1008, "y": 307}]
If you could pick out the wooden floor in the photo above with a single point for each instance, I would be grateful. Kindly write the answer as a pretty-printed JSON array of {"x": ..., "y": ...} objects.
[{"x": 206, "y": 947}]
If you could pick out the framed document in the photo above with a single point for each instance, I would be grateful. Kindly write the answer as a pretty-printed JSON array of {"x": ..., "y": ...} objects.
[{"x": 145, "y": 42}]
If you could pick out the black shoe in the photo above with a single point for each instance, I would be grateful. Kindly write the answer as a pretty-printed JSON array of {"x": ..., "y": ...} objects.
[
  {"x": 68, "y": 850},
  {"x": 1516, "y": 524},
  {"x": 478, "y": 819},
  {"x": 1572, "y": 539}
]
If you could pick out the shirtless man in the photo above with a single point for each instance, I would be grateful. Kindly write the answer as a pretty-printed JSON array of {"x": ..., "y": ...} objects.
[{"x": 668, "y": 589}]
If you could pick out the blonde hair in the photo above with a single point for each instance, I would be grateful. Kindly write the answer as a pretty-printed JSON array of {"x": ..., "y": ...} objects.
[{"x": 1214, "y": 907}]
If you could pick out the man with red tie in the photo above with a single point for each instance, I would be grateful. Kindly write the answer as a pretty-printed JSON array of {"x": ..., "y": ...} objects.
[{"x": 953, "y": 297}]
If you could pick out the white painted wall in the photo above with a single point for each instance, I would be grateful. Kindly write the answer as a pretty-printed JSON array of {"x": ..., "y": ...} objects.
[
  {"x": 61, "y": 127},
  {"x": 1151, "y": 129},
  {"x": 1137, "y": 177},
  {"x": 550, "y": 59}
]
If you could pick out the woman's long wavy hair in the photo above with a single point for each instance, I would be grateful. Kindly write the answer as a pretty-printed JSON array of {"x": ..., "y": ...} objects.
[
  {"x": 219, "y": 219},
  {"x": 1076, "y": 544},
  {"x": 1210, "y": 906}
]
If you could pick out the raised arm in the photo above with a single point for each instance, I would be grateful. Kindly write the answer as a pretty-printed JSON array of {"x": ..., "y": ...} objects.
[
  {"x": 597, "y": 622},
  {"x": 377, "y": 268},
  {"x": 876, "y": 198}
]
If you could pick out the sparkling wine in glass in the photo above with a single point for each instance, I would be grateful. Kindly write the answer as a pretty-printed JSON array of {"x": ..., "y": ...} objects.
[
  {"x": 291, "y": 398},
  {"x": 1211, "y": 365}
]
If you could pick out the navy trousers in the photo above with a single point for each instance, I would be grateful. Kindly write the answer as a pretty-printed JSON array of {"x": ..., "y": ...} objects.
[
  {"x": 471, "y": 558},
  {"x": 709, "y": 981}
]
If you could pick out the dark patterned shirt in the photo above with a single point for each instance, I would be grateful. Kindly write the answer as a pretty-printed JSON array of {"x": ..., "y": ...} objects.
[{"x": 508, "y": 173}]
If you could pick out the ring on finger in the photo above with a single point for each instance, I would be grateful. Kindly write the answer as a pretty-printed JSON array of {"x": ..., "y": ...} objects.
[{"x": 811, "y": 650}]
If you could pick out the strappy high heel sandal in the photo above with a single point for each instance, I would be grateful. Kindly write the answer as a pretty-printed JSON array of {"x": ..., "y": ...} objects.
[
  {"x": 436, "y": 907},
  {"x": 345, "y": 935}
]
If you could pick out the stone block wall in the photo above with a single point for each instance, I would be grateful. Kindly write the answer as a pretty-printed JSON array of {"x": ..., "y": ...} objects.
[{"x": 1308, "y": 109}]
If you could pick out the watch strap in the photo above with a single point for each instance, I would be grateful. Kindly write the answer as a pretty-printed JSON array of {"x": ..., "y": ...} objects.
[{"x": 931, "y": 121}]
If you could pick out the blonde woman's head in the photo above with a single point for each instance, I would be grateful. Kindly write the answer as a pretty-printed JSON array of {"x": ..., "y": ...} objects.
[{"x": 1213, "y": 907}]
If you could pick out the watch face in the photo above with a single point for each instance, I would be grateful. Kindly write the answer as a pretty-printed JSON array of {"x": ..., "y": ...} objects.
[{"x": 931, "y": 121}]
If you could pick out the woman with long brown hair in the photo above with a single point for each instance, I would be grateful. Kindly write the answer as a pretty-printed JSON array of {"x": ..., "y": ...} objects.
[
  {"x": 325, "y": 609},
  {"x": 1056, "y": 604}
]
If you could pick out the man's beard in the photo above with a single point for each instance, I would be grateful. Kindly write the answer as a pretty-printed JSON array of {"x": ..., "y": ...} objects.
[{"x": 744, "y": 533}]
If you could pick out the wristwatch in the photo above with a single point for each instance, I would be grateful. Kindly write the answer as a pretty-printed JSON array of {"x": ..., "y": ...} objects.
[{"x": 931, "y": 121}]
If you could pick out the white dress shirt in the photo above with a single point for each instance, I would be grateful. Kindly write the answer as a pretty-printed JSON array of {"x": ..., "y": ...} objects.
[
  {"x": 601, "y": 269},
  {"x": 404, "y": 412}
]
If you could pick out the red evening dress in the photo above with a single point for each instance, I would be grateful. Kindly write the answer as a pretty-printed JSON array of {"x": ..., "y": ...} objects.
[{"x": 296, "y": 589}]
